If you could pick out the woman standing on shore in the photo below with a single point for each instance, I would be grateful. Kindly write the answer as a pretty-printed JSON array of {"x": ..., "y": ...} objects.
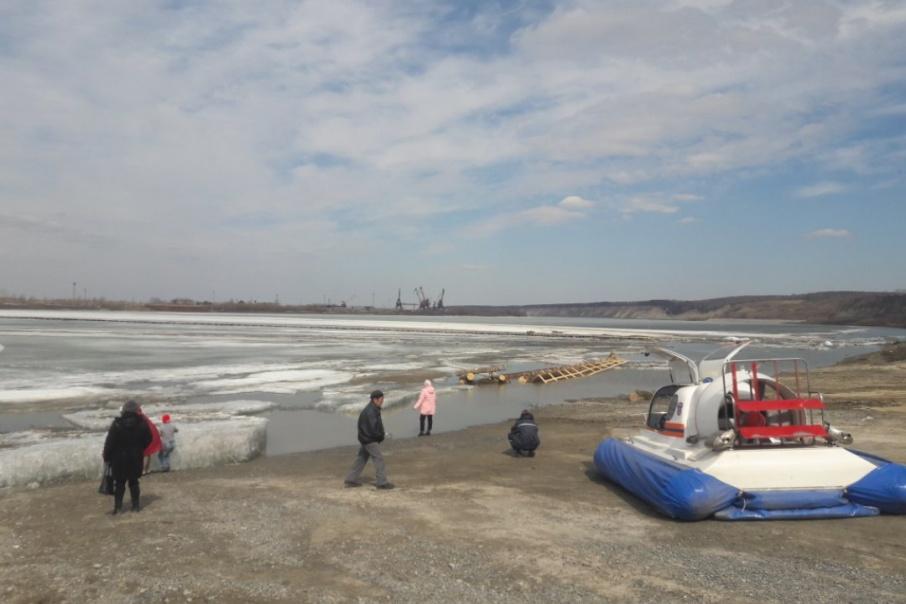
[
  {"x": 126, "y": 440},
  {"x": 426, "y": 405}
]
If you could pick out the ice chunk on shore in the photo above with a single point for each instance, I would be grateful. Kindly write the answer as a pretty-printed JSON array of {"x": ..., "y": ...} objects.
[
  {"x": 45, "y": 456},
  {"x": 49, "y": 458}
]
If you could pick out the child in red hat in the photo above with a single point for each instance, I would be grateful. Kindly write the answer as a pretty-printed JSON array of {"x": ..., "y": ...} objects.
[{"x": 167, "y": 442}]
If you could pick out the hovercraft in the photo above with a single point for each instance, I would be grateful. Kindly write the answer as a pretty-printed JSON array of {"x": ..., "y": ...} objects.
[{"x": 747, "y": 440}]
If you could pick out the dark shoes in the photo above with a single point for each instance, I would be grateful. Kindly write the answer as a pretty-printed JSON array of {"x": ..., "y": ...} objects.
[
  {"x": 117, "y": 510},
  {"x": 386, "y": 486},
  {"x": 136, "y": 507},
  {"x": 530, "y": 453},
  {"x": 421, "y": 433},
  {"x": 350, "y": 485}
]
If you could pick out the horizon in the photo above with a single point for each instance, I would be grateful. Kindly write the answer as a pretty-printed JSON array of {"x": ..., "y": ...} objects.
[
  {"x": 545, "y": 151},
  {"x": 186, "y": 301}
]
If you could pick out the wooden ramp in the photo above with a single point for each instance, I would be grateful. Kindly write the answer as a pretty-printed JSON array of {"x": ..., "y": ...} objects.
[{"x": 568, "y": 372}]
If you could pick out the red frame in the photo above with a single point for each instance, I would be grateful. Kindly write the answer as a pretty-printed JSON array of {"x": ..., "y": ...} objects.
[
  {"x": 780, "y": 405},
  {"x": 756, "y": 432},
  {"x": 783, "y": 431}
]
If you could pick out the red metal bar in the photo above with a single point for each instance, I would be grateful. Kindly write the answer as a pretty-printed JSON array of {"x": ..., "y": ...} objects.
[
  {"x": 756, "y": 395},
  {"x": 735, "y": 384},
  {"x": 777, "y": 382},
  {"x": 781, "y": 432},
  {"x": 781, "y": 405},
  {"x": 735, "y": 393},
  {"x": 796, "y": 369}
]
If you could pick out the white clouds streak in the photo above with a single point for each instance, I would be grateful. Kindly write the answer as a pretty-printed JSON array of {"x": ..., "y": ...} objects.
[
  {"x": 829, "y": 234},
  {"x": 574, "y": 202},
  {"x": 820, "y": 189},
  {"x": 569, "y": 209}
]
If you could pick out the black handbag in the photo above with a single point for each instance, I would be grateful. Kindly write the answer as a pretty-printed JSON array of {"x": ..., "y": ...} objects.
[{"x": 106, "y": 487}]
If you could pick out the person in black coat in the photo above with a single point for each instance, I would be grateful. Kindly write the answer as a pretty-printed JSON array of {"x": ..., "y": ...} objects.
[
  {"x": 371, "y": 435},
  {"x": 124, "y": 451},
  {"x": 523, "y": 435}
]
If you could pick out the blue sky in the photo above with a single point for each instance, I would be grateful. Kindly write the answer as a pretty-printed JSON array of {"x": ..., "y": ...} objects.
[{"x": 510, "y": 152}]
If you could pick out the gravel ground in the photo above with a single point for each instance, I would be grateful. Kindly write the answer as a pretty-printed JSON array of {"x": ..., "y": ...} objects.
[{"x": 468, "y": 523}]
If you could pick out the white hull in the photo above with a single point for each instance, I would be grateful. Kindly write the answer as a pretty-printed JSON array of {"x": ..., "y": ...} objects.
[{"x": 815, "y": 467}]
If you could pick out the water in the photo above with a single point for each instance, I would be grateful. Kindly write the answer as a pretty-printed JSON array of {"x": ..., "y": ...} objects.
[{"x": 317, "y": 370}]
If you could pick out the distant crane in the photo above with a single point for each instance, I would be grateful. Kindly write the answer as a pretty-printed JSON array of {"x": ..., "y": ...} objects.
[
  {"x": 399, "y": 301},
  {"x": 424, "y": 303}
]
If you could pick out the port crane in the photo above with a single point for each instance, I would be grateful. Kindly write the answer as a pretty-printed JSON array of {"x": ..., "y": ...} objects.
[
  {"x": 400, "y": 305},
  {"x": 424, "y": 302}
]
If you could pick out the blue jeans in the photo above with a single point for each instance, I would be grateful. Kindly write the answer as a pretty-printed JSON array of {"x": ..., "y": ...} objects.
[{"x": 164, "y": 457}]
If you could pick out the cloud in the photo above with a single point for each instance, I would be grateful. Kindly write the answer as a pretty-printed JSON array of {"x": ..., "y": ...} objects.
[
  {"x": 637, "y": 205},
  {"x": 568, "y": 209},
  {"x": 536, "y": 216},
  {"x": 820, "y": 189},
  {"x": 574, "y": 202},
  {"x": 337, "y": 120},
  {"x": 829, "y": 234},
  {"x": 688, "y": 220}
]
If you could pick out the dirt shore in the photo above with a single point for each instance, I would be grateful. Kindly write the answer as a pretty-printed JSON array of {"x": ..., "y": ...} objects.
[{"x": 467, "y": 523}]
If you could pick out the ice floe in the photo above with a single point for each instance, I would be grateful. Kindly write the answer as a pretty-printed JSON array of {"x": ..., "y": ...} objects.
[
  {"x": 284, "y": 378},
  {"x": 100, "y": 419},
  {"x": 36, "y": 395},
  {"x": 285, "y": 381}
]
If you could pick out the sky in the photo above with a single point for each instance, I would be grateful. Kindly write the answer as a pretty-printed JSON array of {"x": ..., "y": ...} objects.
[{"x": 507, "y": 152}]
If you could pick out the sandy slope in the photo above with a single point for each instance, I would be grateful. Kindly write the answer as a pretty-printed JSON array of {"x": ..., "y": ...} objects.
[{"x": 469, "y": 523}]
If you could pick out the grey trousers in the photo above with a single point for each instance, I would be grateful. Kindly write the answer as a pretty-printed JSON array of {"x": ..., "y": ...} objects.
[{"x": 372, "y": 450}]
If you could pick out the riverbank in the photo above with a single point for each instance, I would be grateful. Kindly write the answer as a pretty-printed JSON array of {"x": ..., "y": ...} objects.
[{"x": 468, "y": 523}]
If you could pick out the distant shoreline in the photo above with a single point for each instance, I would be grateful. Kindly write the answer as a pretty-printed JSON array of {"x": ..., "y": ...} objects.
[{"x": 874, "y": 309}]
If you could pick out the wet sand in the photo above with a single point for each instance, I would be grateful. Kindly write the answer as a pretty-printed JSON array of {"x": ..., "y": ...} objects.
[{"x": 467, "y": 523}]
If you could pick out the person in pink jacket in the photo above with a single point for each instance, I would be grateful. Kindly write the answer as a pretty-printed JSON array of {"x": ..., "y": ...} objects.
[{"x": 426, "y": 405}]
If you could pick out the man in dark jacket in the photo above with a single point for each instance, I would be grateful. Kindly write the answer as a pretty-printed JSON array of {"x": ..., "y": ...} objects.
[
  {"x": 371, "y": 434},
  {"x": 523, "y": 435},
  {"x": 124, "y": 450}
]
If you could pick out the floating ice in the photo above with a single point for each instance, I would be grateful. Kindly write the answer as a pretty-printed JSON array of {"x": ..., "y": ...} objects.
[
  {"x": 45, "y": 457},
  {"x": 35, "y": 395},
  {"x": 287, "y": 381},
  {"x": 180, "y": 381},
  {"x": 100, "y": 419}
]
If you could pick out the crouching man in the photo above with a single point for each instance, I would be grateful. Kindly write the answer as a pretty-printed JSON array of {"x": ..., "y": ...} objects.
[{"x": 523, "y": 435}]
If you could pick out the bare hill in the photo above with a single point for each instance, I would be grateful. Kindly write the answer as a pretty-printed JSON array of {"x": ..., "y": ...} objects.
[{"x": 851, "y": 308}]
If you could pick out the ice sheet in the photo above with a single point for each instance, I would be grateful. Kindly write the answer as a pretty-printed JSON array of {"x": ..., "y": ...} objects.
[
  {"x": 375, "y": 325},
  {"x": 285, "y": 381},
  {"x": 205, "y": 379},
  {"x": 34, "y": 395}
]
